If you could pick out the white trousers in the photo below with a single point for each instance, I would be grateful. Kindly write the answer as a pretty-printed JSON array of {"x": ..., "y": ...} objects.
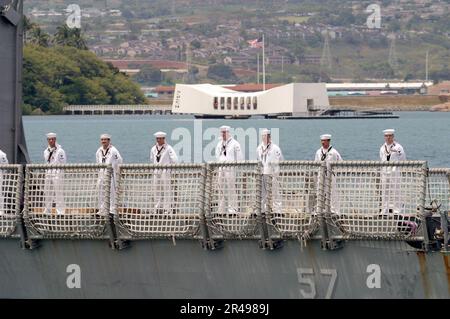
[
  {"x": 112, "y": 194},
  {"x": 226, "y": 183},
  {"x": 391, "y": 197},
  {"x": 331, "y": 193},
  {"x": 271, "y": 187},
  {"x": 54, "y": 191},
  {"x": 162, "y": 190}
]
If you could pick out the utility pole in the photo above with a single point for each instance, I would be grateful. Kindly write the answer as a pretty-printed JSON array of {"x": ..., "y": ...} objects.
[
  {"x": 264, "y": 63},
  {"x": 257, "y": 68},
  {"x": 188, "y": 61}
]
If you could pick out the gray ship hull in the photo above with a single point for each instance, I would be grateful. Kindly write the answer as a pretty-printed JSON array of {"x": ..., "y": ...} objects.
[{"x": 160, "y": 269}]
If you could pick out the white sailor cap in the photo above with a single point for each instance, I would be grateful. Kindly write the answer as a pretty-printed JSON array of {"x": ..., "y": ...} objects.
[
  {"x": 51, "y": 135},
  {"x": 225, "y": 128},
  {"x": 105, "y": 136},
  {"x": 325, "y": 137},
  {"x": 265, "y": 132},
  {"x": 160, "y": 134},
  {"x": 389, "y": 131}
]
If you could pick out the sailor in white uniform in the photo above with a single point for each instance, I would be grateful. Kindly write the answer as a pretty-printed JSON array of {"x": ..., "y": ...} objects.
[
  {"x": 162, "y": 154},
  {"x": 391, "y": 151},
  {"x": 108, "y": 154},
  {"x": 54, "y": 178},
  {"x": 269, "y": 154},
  {"x": 227, "y": 150},
  {"x": 327, "y": 153},
  {"x": 3, "y": 161}
]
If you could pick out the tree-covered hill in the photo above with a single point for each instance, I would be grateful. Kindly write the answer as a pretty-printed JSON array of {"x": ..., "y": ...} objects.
[{"x": 56, "y": 73}]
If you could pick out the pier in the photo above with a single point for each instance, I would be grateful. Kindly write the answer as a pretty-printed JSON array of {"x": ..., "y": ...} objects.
[{"x": 157, "y": 108}]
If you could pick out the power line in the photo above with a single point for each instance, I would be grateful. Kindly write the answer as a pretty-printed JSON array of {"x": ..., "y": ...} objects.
[
  {"x": 325, "y": 60},
  {"x": 393, "y": 61}
]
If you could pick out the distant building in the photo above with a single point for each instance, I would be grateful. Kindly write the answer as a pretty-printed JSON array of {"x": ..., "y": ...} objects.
[
  {"x": 381, "y": 87},
  {"x": 252, "y": 87},
  {"x": 310, "y": 59},
  {"x": 442, "y": 88},
  {"x": 164, "y": 91},
  {"x": 340, "y": 89},
  {"x": 206, "y": 100},
  {"x": 242, "y": 59},
  {"x": 278, "y": 60}
]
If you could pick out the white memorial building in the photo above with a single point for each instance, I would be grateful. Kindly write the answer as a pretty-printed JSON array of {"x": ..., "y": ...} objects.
[{"x": 207, "y": 100}]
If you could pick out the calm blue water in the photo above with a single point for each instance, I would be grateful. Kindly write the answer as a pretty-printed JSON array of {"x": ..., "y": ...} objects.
[{"x": 424, "y": 135}]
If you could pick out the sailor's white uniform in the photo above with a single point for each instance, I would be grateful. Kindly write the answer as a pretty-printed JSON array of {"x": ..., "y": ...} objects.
[
  {"x": 54, "y": 179},
  {"x": 163, "y": 155},
  {"x": 109, "y": 156},
  {"x": 3, "y": 158},
  {"x": 330, "y": 155},
  {"x": 269, "y": 156},
  {"x": 391, "y": 178},
  {"x": 3, "y": 161},
  {"x": 393, "y": 152},
  {"x": 228, "y": 151}
]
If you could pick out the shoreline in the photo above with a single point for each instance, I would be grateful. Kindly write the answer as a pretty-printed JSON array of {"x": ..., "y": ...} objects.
[{"x": 393, "y": 103}]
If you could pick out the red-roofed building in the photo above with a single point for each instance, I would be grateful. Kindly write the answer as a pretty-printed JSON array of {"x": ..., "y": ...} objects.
[
  {"x": 442, "y": 88},
  {"x": 167, "y": 91},
  {"x": 253, "y": 87},
  {"x": 164, "y": 91}
]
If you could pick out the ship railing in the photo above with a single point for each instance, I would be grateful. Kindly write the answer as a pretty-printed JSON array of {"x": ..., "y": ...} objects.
[
  {"x": 438, "y": 187},
  {"x": 233, "y": 208},
  {"x": 67, "y": 201},
  {"x": 438, "y": 203},
  {"x": 155, "y": 201},
  {"x": 376, "y": 200},
  {"x": 346, "y": 199},
  {"x": 291, "y": 199},
  {"x": 11, "y": 179}
]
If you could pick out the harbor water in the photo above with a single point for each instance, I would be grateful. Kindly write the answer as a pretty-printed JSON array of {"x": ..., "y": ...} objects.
[{"x": 424, "y": 136}]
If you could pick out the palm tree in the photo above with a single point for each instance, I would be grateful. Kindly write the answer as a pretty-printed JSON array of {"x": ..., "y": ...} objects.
[
  {"x": 39, "y": 37},
  {"x": 69, "y": 37},
  {"x": 28, "y": 25},
  {"x": 62, "y": 35}
]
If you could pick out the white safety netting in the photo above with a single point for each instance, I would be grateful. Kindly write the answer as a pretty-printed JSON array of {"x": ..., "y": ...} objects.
[
  {"x": 10, "y": 196},
  {"x": 439, "y": 187},
  {"x": 67, "y": 200},
  {"x": 160, "y": 200},
  {"x": 234, "y": 198},
  {"x": 376, "y": 200},
  {"x": 290, "y": 198}
]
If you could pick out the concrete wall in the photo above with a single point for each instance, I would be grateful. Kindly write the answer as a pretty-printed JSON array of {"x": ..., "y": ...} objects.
[
  {"x": 191, "y": 101},
  {"x": 278, "y": 100},
  {"x": 305, "y": 91}
]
